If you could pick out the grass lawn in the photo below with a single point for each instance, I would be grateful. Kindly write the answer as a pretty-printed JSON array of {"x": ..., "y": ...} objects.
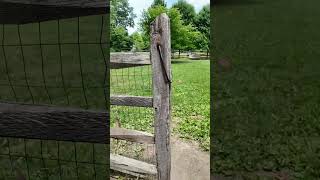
[
  {"x": 191, "y": 100},
  {"x": 190, "y": 106},
  {"x": 266, "y": 109},
  {"x": 50, "y": 74}
]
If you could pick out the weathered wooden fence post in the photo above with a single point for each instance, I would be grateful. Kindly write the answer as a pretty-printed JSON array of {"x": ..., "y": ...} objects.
[{"x": 161, "y": 62}]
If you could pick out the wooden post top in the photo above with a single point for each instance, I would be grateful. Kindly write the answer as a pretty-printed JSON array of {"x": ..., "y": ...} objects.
[{"x": 31, "y": 11}]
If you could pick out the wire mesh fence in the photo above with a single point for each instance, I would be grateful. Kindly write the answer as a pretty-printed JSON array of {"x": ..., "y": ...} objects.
[
  {"x": 50, "y": 159},
  {"x": 134, "y": 79},
  {"x": 52, "y": 62},
  {"x": 59, "y": 63}
]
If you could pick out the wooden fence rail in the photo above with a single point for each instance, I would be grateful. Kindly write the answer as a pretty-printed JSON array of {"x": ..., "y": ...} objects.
[
  {"x": 30, "y": 11},
  {"x": 160, "y": 102},
  {"x": 137, "y": 101},
  {"x": 47, "y": 122},
  {"x": 31, "y": 120}
]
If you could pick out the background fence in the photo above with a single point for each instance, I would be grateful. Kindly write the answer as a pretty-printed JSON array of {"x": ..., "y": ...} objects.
[
  {"x": 54, "y": 90},
  {"x": 175, "y": 54},
  {"x": 203, "y": 54}
]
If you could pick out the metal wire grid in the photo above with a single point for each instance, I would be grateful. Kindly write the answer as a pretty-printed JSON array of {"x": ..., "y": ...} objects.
[
  {"x": 135, "y": 80},
  {"x": 38, "y": 159},
  {"x": 42, "y": 72},
  {"x": 57, "y": 66}
]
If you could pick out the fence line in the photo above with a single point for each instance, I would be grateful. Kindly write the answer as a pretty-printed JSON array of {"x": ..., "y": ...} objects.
[
  {"x": 159, "y": 102},
  {"x": 54, "y": 90}
]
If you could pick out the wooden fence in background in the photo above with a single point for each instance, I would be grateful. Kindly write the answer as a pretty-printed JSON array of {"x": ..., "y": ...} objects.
[{"x": 203, "y": 54}]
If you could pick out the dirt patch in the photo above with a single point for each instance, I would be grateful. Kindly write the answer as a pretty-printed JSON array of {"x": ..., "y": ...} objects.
[
  {"x": 188, "y": 162},
  {"x": 281, "y": 175}
]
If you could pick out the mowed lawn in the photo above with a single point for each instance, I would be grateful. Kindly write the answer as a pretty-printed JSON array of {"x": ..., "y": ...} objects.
[
  {"x": 266, "y": 108},
  {"x": 190, "y": 99}
]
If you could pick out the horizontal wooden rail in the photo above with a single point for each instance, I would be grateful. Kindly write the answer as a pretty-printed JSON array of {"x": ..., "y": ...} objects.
[
  {"x": 131, "y": 166},
  {"x": 131, "y": 135},
  {"x": 53, "y": 123},
  {"x": 138, "y": 58},
  {"x": 137, "y": 101},
  {"x": 72, "y": 3},
  {"x": 31, "y": 11}
]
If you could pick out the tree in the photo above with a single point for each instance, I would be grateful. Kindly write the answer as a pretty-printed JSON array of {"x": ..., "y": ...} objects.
[
  {"x": 187, "y": 11},
  {"x": 202, "y": 21},
  {"x": 179, "y": 32},
  {"x": 138, "y": 41},
  {"x": 148, "y": 16},
  {"x": 159, "y": 3},
  {"x": 122, "y": 17},
  {"x": 120, "y": 39},
  {"x": 122, "y": 14},
  {"x": 183, "y": 36},
  {"x": 199, "y": 41}
]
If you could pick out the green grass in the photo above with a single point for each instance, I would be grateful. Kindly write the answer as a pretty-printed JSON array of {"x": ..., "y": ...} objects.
[
  {"x": 68, "y": 94},
  {"x": 191, "y": 102},
  {"x": 266, "y": 109},
  {"x": 190, "y": 106}
]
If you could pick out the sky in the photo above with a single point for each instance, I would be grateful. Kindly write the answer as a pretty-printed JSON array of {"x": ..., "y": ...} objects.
[{"x": 140, "y": 5}]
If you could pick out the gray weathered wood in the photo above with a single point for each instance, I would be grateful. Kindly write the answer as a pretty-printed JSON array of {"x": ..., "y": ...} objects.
[
  {"x": 7, "y": 107},
  {"x": 131, "y": 166},
  {"x": 31, "y": 11},
  {"x": 160, "y": 30},
  {"x": 137, "y": 101},
  {"x": 131, "y": 135},
  {"x": 71, "y": 3},
  {"x": 139, "y": 58},
  {"x": 53, "y": 123}
]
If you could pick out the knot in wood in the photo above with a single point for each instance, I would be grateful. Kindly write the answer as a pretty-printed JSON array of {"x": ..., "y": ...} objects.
[{"x": 157, "y": 39}]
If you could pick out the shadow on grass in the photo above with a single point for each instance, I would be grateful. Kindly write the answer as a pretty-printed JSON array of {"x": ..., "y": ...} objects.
[
  {"x": 124, "y": 65},
  {"x": 177, "y": 61},
  {"x": 183, "y": 61},
  {"x": 127, "y": 65}
]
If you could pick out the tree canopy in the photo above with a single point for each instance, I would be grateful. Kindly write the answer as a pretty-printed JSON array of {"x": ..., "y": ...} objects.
[
  {"x": 202, "y": 21},
  {"x": 189, "y": 30},
  {"x": 159, "y": 3},
  {"x": 122, "y": 17},
  {"x": 184, "y": 36},
  {"x": 122, "y": 14},
  {"x": 139, "y": 41},
  {"x": 187, "y": 11},
  {"x": 120, "y": 39}
]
